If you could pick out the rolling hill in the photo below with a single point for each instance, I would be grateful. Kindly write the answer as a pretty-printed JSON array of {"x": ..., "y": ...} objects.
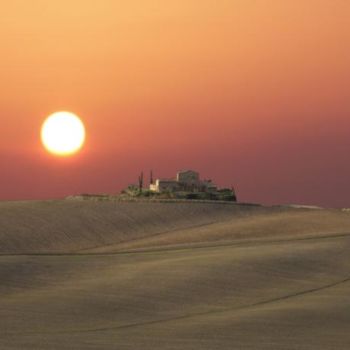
[{"x": 119, "y": 275}]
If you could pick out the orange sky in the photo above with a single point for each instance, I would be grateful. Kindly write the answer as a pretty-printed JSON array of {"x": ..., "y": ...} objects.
[{"x": 253, "y": 93}]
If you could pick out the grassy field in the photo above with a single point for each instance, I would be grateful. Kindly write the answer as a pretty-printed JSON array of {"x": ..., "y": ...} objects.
[{"x": 111, "y": 275}]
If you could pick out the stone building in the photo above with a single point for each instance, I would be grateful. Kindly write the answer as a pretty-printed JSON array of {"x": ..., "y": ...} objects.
[
  {"x": 165, "y": 185},
  {"x": 186, "y": 180},
  {"x": 188, "y": 177}
]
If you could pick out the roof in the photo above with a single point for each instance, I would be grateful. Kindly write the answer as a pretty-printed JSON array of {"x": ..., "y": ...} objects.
[
  {"x": 187, "y": 171},
  {"x": 166, "y": 180}
]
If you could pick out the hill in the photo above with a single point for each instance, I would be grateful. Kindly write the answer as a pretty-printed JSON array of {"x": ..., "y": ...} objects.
[
  {"x": 73, "y": 225},
  {"x": 114, "y": 275}
]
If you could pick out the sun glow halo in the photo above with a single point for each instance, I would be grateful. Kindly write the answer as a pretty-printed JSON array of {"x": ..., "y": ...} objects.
[{"x": 63, "y": 134}]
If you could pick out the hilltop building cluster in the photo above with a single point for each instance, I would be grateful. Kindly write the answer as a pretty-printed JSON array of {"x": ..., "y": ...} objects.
[
  {"x": 186, "y": 185},
  {"x": 186, "y": 180}
]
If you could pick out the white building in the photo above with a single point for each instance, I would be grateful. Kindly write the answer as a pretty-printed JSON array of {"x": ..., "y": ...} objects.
[{"x": 186, "y": 180}]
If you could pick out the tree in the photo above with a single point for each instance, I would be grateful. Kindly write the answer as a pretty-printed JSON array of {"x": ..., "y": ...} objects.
[{"x": 141, "y": 182}]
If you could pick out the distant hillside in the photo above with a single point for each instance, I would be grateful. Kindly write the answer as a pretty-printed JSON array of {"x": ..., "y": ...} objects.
[
  {"x": 66, "y": 226},
  {"x": 107, "y": 226}
]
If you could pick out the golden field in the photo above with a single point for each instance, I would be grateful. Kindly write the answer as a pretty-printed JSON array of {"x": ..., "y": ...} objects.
[{"x": 119, "y": 275}]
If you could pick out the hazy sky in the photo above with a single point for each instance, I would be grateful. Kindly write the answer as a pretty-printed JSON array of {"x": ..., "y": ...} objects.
[{"x": 253, "y": 93}]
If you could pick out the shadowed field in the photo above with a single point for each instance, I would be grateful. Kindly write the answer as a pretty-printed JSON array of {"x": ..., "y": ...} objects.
[{"x": 110, "y": 275}]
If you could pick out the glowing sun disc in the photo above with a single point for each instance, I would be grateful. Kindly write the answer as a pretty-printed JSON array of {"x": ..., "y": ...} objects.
[{"x": 63, "y": 133}]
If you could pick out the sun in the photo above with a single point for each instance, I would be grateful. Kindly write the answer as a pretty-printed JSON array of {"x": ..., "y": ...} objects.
[{"x": 63, "y": 134}]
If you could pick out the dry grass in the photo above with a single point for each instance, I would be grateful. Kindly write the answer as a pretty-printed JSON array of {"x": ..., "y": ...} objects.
[{"x": 105, "y": 275}]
